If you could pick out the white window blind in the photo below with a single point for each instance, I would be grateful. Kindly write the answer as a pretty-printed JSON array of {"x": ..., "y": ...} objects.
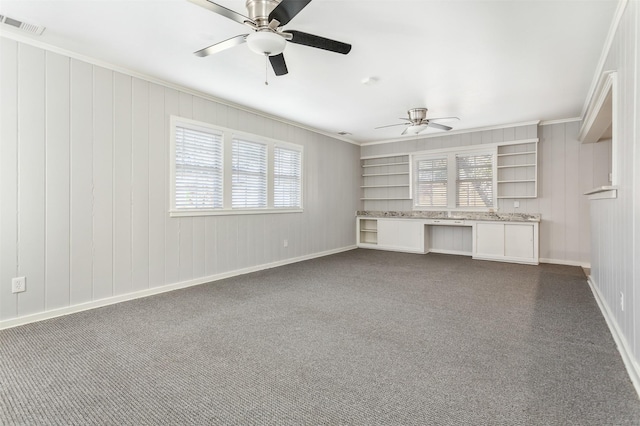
[
  {"x": 249, "y": 174},
  {"x": 198, "y": 169},
  {"x": 287, "y": 168},
  {"x": 431, "y": 182},
  {"x": 474, "y": 184}
]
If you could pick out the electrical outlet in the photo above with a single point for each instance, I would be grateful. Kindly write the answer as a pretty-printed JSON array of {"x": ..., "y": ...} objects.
[
  {"x": 516, "y": 204},
  {"x": 285, "y": 243},
  {"x": 18, "y": 285},
  {"x": 622, "y": 301}
]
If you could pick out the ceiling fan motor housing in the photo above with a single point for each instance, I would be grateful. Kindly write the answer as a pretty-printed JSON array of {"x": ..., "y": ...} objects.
[
  {"x": 259, "y": 10},
  {"x": 417, "y": 115}
]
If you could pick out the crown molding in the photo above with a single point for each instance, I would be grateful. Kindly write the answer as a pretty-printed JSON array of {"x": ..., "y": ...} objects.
[
  {"x": 453, "y": 132},
  {"x": 615, "y": 22}
]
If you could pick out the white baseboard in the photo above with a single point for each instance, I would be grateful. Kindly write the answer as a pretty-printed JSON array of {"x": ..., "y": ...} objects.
[
  {"x": 456, "y": 252},
  {"x": 14, "y": 322},
  {"x": 565, "y": 262},
  {"x": 632, "y": 366}
]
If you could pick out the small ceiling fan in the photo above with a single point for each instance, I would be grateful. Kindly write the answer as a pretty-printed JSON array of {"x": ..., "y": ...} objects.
[
  {"x": 418, "y": 122},
  {"x": 266, "y": 19}
]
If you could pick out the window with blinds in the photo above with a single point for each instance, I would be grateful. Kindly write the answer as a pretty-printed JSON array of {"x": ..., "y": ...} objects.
[
  {"x": 431, "y": 182},
  {"x": 198, "y": 169},
  {"x": 474, "y": 185},
  {"x": 287, "y": 178},
  {"x": 249, "y": 174}
]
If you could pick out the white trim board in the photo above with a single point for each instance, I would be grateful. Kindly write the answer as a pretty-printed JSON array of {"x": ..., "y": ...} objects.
[
  {"x": 453, "y": 132},
  {"x": 615, "y": 22},
  {"x": 15, "y": 322},
  {"x": 633, "y": 369},
  {"x": 565, "y": 262}
]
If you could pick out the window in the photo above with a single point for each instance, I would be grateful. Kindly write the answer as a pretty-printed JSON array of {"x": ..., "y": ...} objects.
[
  {"x": 287, "y": 178},
  {"x": 474, "y": 184},
  {"x": 249, "y": 178},
  {"x": 198, "y": 168},
  {"x": 219, "y": 171},
  {"x": 454, "y": 179},
  {"x": 431, "y": 184}
]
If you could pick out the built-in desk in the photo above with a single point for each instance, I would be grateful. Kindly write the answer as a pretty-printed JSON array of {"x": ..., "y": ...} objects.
[{"x": 507, "y": 238}]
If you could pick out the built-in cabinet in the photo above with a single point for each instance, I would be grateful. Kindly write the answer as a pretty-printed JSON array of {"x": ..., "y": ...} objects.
[
  {"x": 500, "y": 241},
  {"x": 510, "y": 242}
]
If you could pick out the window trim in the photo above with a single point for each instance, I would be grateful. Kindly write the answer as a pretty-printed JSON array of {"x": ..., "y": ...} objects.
[
  {"x": 452, "y": 175},
  {"x": 227, "y": 136}
]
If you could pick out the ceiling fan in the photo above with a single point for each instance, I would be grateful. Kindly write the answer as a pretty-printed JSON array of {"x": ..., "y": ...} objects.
[
  {"x": 418, "y": 122},
  {"x": 266, "y": 19}
]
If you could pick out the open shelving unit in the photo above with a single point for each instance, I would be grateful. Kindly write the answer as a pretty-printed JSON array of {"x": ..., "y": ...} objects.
[
  {"x": 368, "y": 229},
  {"x": 385, "y": 178},
  {"x": 518, "y": 169}
]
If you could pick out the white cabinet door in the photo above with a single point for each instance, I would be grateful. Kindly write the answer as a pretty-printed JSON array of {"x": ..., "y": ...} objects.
[
  {"x": 506, "y": 242},
  {"x": 518, "y": 241},
  {"x": 401, "y": 235},
  {"x": 489, "y": 239}
]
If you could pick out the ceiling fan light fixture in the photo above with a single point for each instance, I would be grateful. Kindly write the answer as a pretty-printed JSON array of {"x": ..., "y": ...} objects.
[
  {"x": 266, "y": 43},
  {"x": 414, "y": 130}
]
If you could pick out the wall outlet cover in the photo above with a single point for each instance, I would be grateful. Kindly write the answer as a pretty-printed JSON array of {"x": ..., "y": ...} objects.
[{"x": 18, "y": 285}]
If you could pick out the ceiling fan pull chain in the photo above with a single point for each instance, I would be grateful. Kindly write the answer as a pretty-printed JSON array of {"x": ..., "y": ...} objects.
[{"x": 266, "y": 69}]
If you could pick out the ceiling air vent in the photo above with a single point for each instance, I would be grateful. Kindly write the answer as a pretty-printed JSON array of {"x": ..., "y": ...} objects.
[{"x": 30, "y": 28}]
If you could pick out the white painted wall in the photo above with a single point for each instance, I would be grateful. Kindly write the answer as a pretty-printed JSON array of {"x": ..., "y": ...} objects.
[
  {"x": 566, "y": 169},
  {"x": 84, "y": 188},
  {"x": 615, "y": 223}
]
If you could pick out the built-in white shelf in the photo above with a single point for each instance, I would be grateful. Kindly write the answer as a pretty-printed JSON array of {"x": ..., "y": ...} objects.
[
  {"x": 386, "y": 174},
  {"x": 509, "y": 154},
  {"x": 384, "y": 199},
  {"x": 516, "y": 180},
  {"x": 385, "y": 164},
  {"x": 386, "y": 186},
  {"x": 385, "y": 178},
  {"x": 518, "y": 169}
]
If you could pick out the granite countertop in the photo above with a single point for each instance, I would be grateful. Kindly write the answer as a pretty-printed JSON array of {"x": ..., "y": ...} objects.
[{"x": 502, "y": 217}]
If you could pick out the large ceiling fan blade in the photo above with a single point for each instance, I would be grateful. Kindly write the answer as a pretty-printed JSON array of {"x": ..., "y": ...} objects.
[
  {"x": 444, "y": 119},
  {"x": 215, "y": 48},
  {"x": 438, "y": 126},
  {"x": 319, "y": 42},
  {"x": 278, "y": 64},
  {"x": 391, "y": 125},
  {"x": 287, "y": 10},
  {"x": 221, "y": 10}
]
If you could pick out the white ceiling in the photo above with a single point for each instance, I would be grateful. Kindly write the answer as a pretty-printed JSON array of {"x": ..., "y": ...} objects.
[{"x": 488, "y": 62}]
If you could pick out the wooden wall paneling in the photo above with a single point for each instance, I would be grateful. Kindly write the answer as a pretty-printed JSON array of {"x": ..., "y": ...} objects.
[
  {"x": 244, "y": 250},
  {"x": 186, "y": 223},
  {"x": 139, "y": 185},
  {"x": 122, "y": 183},
  {"x": 572, "y": 193},
  {"x": 8, "y": 176},
  {"x": 198, "y": 223},
  {"x": 172, "y": 233},
  {"x": 557, "y": 243},
  {"x": 158, "y": 181},
  {"x": 31, "y": 177},
  {"x": 81, "y": 182},
  {"x": 545, "y": 189},
  {"x": 255, "y": 240},
  {"x": 211, "y": 252},
  {"x": 57, "y": 227},
  {"x": 585, "y": 178},
  {"x": 102, "y": 183}
]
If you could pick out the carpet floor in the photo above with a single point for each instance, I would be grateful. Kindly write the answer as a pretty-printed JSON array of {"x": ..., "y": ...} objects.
[{"x": 361, "y": 337}]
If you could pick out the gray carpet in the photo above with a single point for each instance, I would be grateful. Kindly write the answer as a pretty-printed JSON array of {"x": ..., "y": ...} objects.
[{"x": 362, "y": 337}]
